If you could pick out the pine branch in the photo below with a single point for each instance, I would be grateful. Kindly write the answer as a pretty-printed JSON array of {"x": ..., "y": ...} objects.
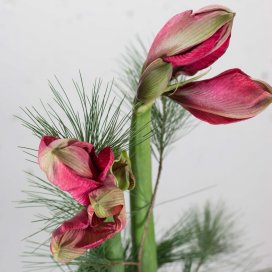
[
  {"x": 170, "y": 122},
  {"x": 99, "y": 120},
  {"x": 203, "y": 239}
]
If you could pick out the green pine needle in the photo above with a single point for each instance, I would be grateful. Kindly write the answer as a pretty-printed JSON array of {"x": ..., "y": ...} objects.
[
  {"x": 99, "y": 120},
  {"x": 170, "y": 122},
  {"x": 202, "y": 239}
]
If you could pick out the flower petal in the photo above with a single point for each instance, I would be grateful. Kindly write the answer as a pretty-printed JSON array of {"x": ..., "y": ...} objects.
[
  {"x": 229, "y": 97},
  {"x": 67, "y": 152},
  {"x": 206, "y": 61},
  {"x": 104, "y": 162},
  {"x": 78, "y": 187},
  {"x": 62, "y": 168},
  {"x": 69, "y": 240},
  {"x": 202, "y": 55},
  {"x": 82, "y": 232}
]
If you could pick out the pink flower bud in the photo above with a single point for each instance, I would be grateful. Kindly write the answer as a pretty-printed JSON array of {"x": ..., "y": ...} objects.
[{"x": 193, "y": 41}]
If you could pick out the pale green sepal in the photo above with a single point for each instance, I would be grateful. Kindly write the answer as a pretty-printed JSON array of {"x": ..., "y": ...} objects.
[{"x": 154, "y": 81}]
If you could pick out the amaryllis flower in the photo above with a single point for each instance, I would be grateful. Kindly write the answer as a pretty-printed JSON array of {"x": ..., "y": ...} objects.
[
  {"x": 229, "y": 97},
  {"x": 192, "y": 41},
  {"x": 189, "y": 42},
  {"x": 88, "y": 229},
  {"x": 73, "y": 166}
]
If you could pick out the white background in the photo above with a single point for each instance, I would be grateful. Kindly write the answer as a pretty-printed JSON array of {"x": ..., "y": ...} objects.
[{"x": 41, "y": 38}]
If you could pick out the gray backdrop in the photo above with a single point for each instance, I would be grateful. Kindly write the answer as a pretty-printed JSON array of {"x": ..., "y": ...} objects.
[{"x": 41, "y": 38}]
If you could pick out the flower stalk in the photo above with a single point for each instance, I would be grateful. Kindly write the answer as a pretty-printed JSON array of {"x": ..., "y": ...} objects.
[
  {"x": 141, "y": 196},
  {"x": 115, "y": 253}
]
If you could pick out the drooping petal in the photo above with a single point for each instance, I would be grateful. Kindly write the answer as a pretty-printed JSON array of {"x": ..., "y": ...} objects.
[
  {"x": 67, "y": 165},
  {"x": 229, "y": 97},
  {"x": 78, "y": 187},
  {"x": 83, "y": 232},
  {"x": 188, "y": 29},
  {"x": 67, "y": 152},
  {"x": 70, "y": 240}
]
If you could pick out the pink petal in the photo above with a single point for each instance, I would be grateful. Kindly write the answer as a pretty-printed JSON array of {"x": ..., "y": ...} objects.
[
  {"x": 107, "y": 201},
  {"x": 206, "y": 61},
  {"x": 212, "y": 118},
  {"x": 104, "y": 162},
  {"x": 70, "y": 240},
  {"x": 67, "y": 152},
  {"x": 161, "y": 43},
  {"x": 73, "y": 166},
  {"x": 78, "y": 187},
  {"x": 78, "y": 160},
  {"x": 202, "y": 55},
  {"x": 46, "y": 141},
  {"x": 89, "y": 148},
  {"x": 229, "y": 97}
]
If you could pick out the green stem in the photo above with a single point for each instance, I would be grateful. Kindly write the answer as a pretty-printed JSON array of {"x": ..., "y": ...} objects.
[
  {"x": 141, "y": 196},
  {"x": 115, "y": 253}
]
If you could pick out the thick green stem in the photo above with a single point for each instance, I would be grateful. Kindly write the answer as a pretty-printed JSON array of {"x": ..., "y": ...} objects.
[
  {"x": 115, "y": 253},
  {"x": 141, "y": 196}
]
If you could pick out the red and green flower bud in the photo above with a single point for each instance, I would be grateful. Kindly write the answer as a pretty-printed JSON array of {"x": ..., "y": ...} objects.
[
  {"x": 192, "y": 41},
  {"x": 189, "y": 42},
  {"x": 107, "y": 201}
]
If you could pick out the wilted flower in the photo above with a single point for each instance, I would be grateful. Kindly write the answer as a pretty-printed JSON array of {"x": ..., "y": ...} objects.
[
  {"x": 84, "y": 231},
  {"x": 73, "y": 166}
]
